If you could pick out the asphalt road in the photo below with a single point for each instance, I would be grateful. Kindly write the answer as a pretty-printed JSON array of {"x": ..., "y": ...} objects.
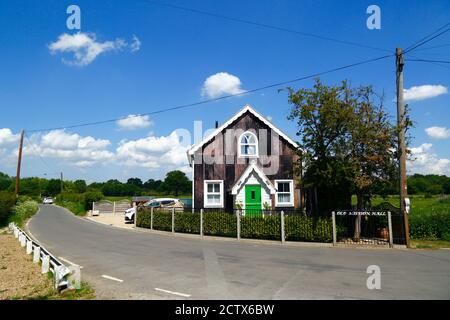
[{"x": 150, "y": 265}]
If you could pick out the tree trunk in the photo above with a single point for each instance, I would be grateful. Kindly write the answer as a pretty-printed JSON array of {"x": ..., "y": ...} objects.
[{"x": 359, "y": 206}]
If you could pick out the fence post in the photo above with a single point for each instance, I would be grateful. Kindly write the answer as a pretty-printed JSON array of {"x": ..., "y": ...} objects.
[
  {"x": 151, "y": 218},
  {"x": 391, "y": 236},
  {"x": 93, "y": 206},
  {"x": 173, "y": 220},
  {"x": 114, "y": 208},
  {"x": 135, "y": 217},
  {"x": 283, "y": 238},
  {"x": 201, "y": 222},
  {"x": 333, "y": 218},
  {"x": 238, "y": 224}
]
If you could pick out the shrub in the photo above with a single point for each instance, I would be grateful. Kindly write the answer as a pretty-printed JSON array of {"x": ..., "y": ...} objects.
[
  {"x": 187, "y": 222},
  {"x": 259, "y": 227},
  {"x": 7, "y": 201},
  {"x": 219, "y": 224},
  {"x": 90, "y": 197},
  {"x": 23, "y": 211},
  {"x": 430, "y": 226},
  {"x": 162, "y": 220}
]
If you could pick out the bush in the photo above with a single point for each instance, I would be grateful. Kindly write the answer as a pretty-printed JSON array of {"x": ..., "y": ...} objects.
[
  {"x": 258, "y": 227},
  {"x": 219, "y": 224},
  {"x": 187, "y": 222},
  {"x": 7, "y": 201},
  {"x": 430, "y": 226},
  {"x": 90, "y": 197},
  {"x": 23, "y": 211}
]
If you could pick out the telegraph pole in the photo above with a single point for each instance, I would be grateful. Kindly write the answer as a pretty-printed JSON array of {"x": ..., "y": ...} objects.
[
  {"x": 19, "y": 162},
  {"x": 400, "y": 62}
]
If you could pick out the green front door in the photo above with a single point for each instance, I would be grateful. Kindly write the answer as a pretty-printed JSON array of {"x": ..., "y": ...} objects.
[{"x": 252, "y": 200}]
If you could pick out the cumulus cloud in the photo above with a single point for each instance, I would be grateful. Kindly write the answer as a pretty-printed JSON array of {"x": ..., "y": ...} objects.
[
  {"x": 85, "y": 47},
  {"x": 424, "y": 92},
  {"x": 135, "y": 44},
  {"x": 424, "y": 161},
  {"x": 438, "y": 132},
  {"x": 220, "y": 84},
  {"x": 7, "y": 137},
  {"x": 133, "y": 122},
  {"x": 71, "y": 147},
  {"x": 153, "y": 152}
]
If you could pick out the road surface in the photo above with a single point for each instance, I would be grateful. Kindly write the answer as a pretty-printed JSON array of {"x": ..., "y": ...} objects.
[{"x": 128, "y": 264}]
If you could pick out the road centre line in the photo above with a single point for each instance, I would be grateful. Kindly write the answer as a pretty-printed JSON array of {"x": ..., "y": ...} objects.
[
  {"x": 111, "y": 278},
  {"x": 174, "y": 292}
]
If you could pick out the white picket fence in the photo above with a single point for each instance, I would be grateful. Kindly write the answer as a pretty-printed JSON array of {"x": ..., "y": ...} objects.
[{"x": 65, "y": 277}]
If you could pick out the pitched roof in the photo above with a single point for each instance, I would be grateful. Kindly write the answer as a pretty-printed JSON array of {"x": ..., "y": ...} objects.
[
  {"x": 248, "y": 171},
  {"x": 246, "y": 108}
]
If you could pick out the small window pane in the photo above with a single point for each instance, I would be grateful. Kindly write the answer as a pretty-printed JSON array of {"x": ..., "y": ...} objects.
[
  {"x": 284, "y": 187},
  {"x": 284, "y": 198},
  {"x": 216, "y": 187},
  {"x": 210, "y": 187},
  {"x": 213, "y": 198}
]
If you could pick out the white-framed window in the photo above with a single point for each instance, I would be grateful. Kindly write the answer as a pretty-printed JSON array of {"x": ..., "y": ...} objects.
[
  {"x": 248, "y": 145},
  {"x": 213, "y": 194},
  {"x": 285, "y": 193}
]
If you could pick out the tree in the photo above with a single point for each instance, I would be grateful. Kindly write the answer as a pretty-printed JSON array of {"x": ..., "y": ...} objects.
[
  {"x": 80, "y": 186},
  {"x": 154, "y": 185},
  {"x": 348, "y": 139},
  {"x": 53, "y": 187},
  {"x": 176, "y": 182},
  {"x": 135, "y": 181}
]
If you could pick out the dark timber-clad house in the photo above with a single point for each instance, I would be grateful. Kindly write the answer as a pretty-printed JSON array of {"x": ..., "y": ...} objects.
[{"x": 247, "y": 163}]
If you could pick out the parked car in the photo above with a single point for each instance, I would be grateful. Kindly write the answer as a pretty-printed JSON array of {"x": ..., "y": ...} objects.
[
  {"x": 129, "y": 215},
  {"x": 47, "y": 200},
  {"x": 165, "y": 203}
]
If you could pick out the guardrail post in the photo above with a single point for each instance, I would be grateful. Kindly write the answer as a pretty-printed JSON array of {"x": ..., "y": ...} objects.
[
  {"x": 37, "y": 254},
  {"x": 333, "y": 219},
  {"x": 391, "y": 236},
  {"x": 201, "y": 222},
  {"x": 74, "y": 278},
  {"x": 173, "y": 220},
  {"x": 29, "y": 246},
  {"x": 16, "y": 232},
  {"x": 238, "y": 224},
  {"x": 151, "y": 218},
  {"x": 22, "y": 240},
  {"x": 283, "y": 237},
  {"x": 45, "y": 263}
]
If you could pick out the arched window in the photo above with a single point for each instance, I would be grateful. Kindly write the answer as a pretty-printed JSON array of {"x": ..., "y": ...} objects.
[{"x": 248, "y": 145}]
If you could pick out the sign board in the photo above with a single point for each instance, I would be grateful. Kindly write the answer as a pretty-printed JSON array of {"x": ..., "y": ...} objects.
[{"x": 361, "y": 213}]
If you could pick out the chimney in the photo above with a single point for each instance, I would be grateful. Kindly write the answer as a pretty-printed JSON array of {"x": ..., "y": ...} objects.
[{"x": 217, "y": 124}]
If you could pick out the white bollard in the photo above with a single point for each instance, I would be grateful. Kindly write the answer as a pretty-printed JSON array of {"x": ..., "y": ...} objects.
[
  {"x": 36, "y": 254},
  {"x": 45, "y": 263},
  {"x": 29, "y": 246}
]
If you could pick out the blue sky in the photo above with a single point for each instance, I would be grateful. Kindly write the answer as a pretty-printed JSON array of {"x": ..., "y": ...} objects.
[{"x": 155, "y": 57}]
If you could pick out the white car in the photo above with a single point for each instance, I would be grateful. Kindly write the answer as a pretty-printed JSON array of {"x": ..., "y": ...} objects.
[
  {"x": 47, "y": 200},
  {"x": 129, "y": 215}
]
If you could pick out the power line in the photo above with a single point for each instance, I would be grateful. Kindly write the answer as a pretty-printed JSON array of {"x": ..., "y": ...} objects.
[
  {"x": 37, "y": 152},
  {"x": 428, "y": 38},
  {"x": 434, "y": 47},
  {"x": 264, "y": 25},
  {"x": 184, "y": 106},
  {"x": 425, "y": 60}
]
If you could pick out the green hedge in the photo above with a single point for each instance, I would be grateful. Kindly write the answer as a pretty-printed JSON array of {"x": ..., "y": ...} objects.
[
  {"x": 7, "y": 201},
  {"x": 298, "y": 228},
  {"x": 434, "y": 225}
]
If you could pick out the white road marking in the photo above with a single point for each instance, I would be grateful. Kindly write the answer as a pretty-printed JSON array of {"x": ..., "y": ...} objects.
[
  {"x": 69, "y": 262},
  {"x": 111, "y": 278},
  {"x": 174, "y": 292}
]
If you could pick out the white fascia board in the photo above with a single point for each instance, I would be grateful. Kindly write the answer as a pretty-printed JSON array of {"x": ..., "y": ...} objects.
[
  {"x": 253, "y": 167},
  {"x": 246, "y": 108}
]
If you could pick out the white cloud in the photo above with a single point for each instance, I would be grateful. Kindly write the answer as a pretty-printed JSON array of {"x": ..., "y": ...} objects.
[
  {"x": 7, "y": 137},
  {"x": 133, "y": 122},
  {"x": 135, "y": 44},
  {"x": 438, "y": 132},
  {"x": 424, "y": 161},
  {"x": 424, "y": 92},
  {"x": 220, "y": 84},
  {"x": 85, "y": 47},
  {"x": 153, "y": 152},
  {"x": 73, "y": 148}
]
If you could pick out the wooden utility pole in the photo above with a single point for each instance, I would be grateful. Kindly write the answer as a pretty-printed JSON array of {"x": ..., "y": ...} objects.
[
  {"x": 401, "y": 121},
  {"x": 19, "y": 162}
]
